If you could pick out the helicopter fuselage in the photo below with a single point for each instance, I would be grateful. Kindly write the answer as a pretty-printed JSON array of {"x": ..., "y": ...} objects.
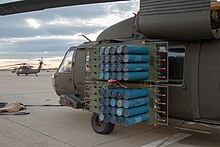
[{"x": 26, "y": 71}]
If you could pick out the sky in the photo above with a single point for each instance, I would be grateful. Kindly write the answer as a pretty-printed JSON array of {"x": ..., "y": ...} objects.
[{"x": 49, "y": 33}]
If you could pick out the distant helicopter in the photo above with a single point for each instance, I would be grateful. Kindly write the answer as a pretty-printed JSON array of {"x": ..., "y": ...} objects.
[
  {"x": 25, "y": 68},
  {"x": 191, "y": 30}
]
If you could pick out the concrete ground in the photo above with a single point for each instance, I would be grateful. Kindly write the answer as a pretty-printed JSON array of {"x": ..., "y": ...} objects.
[{"x": 64, "y": 126}]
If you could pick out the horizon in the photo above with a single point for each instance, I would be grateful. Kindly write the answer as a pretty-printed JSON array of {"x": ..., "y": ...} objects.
[
  {"x": 50, "y": 33},
  {"x": 53, "y": 62}
]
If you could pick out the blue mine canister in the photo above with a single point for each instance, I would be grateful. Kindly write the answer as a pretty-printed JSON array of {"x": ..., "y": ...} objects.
[
  {"x": 107, "y": 101},
  {"x": 113, "y": 102},
  {"x": 119, "y": 58},
  {"x": 119, "y": 111},
  {"x": 135, "y": 58},
  {"x": 102, "y": 92},
  {"x": 100, "y": 75},
  {"x": 107, "y": 67},
  {"x": 106, "y": 75},
  {"x": 135, "y": 102},
  {"x": 102, "y": 109},
  {"x": 113, "y": 119},
  {"x": 104, "y": 117},
  {"x": 119, "y": 93},
  {"x": 101, "y": 50},
  {"x": 113, "y": 50},
  {"x": 119, "y": 76},
  {"x": 107, "y": 59},
  {"x": 113, "y": 67},
  {"x": 107, "y": 50},
  {"x": 107, "y": 109},
  {"x": 135, "y": 93},
  {"x": 135, "y": 67},
  {"x": 135, "y": 119},
  {"x": 119, "y": 103},
  {"x": 113, "y": 75},
  {"x": 102, "y": 100},
  {"x": 101, "y": 58},
  {"x": 107, "y": 93},
  {"x": 119, "y": 49},
  {"x": 112, "y": 58},
  {"x": 119, "y": 120},
  {"x": 133, "y": 49},
  {"x": 132, "y": 76},
  {"x": 119, "y": 67},
  {"x": 135, "y": 111},
  {"x": 101, "y": 117},
  {"x": 107, "y": 118},
  {"x": 113, "y": 110},
  {"x": 112, "y": 93},
  {"x": 101, "y": 67}
]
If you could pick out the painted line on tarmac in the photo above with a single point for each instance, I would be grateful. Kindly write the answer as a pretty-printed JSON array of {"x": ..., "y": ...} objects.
[
  {"x": 167, "y": 140},
  {"x": 194, "y": 130},
  {"x": 213, "y": 126}
]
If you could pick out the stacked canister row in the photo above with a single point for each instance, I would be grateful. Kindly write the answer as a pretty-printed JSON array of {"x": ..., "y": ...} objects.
[
  {"x": 123, "y": 62},
  {"x": 123, "y": 106}
]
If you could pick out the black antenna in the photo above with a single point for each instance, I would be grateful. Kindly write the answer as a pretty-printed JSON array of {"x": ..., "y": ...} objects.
[{"x": 85, "y": 37}]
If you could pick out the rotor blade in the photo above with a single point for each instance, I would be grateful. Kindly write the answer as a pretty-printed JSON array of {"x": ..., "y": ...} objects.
[
  {"x": 30, "y": 64},
  {"x": 7, "y": 66},
  {"x": 14, "y": 64},
  {"x": 35, "y": 5}
]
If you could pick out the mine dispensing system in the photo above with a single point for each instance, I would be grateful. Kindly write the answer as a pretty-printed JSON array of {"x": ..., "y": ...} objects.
[{"x": 125, "y": 83}]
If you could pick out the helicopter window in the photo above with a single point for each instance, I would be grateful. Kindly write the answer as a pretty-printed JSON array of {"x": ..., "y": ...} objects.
[
  {"x": 66, "y": 65},
  {"x": 176, "y": 64}
]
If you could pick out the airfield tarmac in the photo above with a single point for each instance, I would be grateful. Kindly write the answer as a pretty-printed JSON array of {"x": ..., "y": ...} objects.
[{"x": 65, "y": 127}]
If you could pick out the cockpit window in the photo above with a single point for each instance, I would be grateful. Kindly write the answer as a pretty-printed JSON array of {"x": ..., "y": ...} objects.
[
  {"x": 176, "y": 58},
  {"x": 66, "y": 65}
]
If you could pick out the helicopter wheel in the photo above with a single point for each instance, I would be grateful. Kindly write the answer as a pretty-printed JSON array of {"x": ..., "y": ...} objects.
[
  {"x": 26, "y": 74},
  {"x": 101, "y": 127},
  {"x": 18, "y": 74}
]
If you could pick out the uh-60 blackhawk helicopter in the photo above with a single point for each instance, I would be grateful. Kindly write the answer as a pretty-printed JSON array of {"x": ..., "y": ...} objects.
[
  {"x": 163, "y": 62},
  {"x": 25, "y": 68}
]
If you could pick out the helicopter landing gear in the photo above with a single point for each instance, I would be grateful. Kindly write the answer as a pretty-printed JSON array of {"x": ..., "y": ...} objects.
[
  {"x": 101, "y": 127},
  {"x": 17, "y": 74},
  {"x": 26, "y": 74},
  {"x": 36, "y": 74}
]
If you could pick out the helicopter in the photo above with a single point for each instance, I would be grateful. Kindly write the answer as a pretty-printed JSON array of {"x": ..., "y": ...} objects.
[
  {"x": 185, "y": 32},
  {"x": 25, "y": 68}
]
